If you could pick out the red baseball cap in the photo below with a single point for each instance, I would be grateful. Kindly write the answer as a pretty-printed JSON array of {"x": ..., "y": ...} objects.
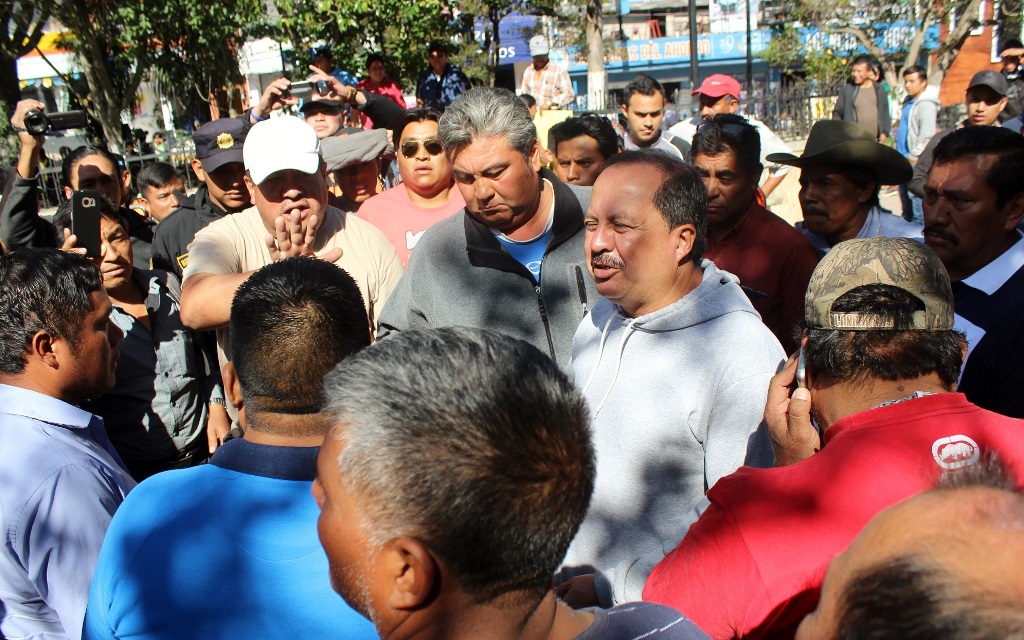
[{"x": 717, "y": 86}]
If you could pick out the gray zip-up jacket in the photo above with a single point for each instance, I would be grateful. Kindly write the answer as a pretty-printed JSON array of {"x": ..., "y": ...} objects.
[
  {"x": 921, "y": 124},
  {"x": 459, "y": 275}
]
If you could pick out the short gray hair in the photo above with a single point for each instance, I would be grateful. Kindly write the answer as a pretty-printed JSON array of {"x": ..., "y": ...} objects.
[
  {"x": 483, "y": 112},
  {"x": 472, "y": 442}
]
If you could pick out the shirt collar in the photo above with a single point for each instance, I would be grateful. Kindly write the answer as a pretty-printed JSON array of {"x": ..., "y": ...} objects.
[
  {"x": 282, "y": 463},
  {"x": 16, "y": 401},
  {"x": 995, "y": 274}
]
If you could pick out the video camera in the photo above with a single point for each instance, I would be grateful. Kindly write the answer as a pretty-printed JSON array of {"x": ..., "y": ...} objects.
[{"x": 39, "y": 123}]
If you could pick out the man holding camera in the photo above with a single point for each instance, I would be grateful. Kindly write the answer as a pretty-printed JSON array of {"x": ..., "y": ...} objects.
[{"x": 22, "y": 196}]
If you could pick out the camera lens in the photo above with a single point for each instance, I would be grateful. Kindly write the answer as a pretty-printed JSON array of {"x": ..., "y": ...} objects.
[{"x": 36, "y": 122}]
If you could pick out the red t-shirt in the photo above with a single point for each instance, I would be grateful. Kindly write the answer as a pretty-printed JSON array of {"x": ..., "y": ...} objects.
[
  {"x": 773, "y": 261},
  {"x": 753, "y": 564},
  {"x": 402, "y": 221}
]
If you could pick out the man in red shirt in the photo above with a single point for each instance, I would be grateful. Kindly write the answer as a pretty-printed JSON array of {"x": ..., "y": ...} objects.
[
  {"x": 882, "y": 362},
  {"x": 772, "y": 259}
]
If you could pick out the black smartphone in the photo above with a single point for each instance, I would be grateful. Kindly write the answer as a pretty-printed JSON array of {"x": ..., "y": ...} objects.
[
  {"x": 801, "y": 370},
  {"x": 85, "y": 221}
]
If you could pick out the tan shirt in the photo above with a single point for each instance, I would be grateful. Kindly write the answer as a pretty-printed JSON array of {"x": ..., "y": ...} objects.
[{"x": 236, "y": 244}]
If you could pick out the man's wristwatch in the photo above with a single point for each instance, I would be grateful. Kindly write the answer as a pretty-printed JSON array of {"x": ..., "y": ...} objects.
[{"x": 219, "y": 401}]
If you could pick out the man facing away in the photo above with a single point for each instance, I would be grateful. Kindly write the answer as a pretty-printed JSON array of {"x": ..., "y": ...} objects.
[
  {"x": 62, "y": 479},
  {"x": 880, "y": 364},
  {"x": 842, "y": 170},
  {"x": 974, "y": 202},
  {"x": 228, "y": 549},
  {"x": 674, "y": 363},
  {"x": 720, "y": 94},
  {"x": 457, "y": 469},
  {"x": 943, "y": 565},
  {"x": 512, "y": 261},
  {"x": 863, "y": 101},
  {"x": 773, "y": 260}
]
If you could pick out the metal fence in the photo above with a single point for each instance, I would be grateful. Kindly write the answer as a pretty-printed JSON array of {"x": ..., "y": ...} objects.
[
  {"x": 791, "y": 110},
  {"x": 51, "y": 187}
]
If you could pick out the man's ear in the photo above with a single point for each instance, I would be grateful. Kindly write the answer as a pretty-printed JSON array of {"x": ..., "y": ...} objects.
[
  {"x": 67, "y": 193},
  {"x": 864, "y": 193},
  {"x": 46, "y": 348},
  {"x": 197, "y": 168},
  {"x": 412, "y": 573},
  {"x": 684, "y": 236},
  {"x": 232, "y": 388},
  {"x": 1014, "y": 210},
  {"x": 251, "y": 187},
  {"x": 126, "y": 183},
  {"x": 535, "y": 163}
]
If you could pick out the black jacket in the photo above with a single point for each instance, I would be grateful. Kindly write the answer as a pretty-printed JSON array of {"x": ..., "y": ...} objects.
[{"x": 176, "y": 232}]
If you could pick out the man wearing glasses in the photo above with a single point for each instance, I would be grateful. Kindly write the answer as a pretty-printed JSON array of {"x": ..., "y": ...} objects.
[{"x": 426, "y": 194}]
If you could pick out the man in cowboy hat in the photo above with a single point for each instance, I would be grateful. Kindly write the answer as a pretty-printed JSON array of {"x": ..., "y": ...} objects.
[{"x": 842, "y": 170}]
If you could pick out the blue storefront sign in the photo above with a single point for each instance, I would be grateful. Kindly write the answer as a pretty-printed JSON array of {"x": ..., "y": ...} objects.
[{"x": 514, "y": 32}]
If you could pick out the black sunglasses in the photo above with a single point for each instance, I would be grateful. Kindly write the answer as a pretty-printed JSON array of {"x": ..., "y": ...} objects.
[{"x": 411, "y": 147}]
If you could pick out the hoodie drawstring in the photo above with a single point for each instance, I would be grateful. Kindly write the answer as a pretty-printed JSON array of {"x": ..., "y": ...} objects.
[{"x": 618, "y": 359}]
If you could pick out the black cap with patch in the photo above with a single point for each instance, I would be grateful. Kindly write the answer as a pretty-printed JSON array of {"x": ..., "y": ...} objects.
[{"x": 219, "y": 142}]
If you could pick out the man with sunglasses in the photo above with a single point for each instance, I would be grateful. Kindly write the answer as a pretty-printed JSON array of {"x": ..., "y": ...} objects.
[
  {"x": 773, "y": 260},
  {"x": 426, "y": 194},
  {"x": 720, "y": 93},
  {"x": 986, "y": 99}
]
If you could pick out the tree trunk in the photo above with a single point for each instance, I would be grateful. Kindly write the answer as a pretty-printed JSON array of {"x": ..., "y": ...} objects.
[
  {"x": 597, "y": 77},
  {"x": 950, "y": 47}
]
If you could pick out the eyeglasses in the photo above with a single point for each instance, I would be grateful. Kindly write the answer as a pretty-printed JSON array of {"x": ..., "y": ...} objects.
[
  {"x": 411, "y": 147},
  {"x": 729, "y": 128}
]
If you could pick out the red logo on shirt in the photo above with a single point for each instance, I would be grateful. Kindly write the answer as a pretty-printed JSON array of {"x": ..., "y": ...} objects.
[{"x": 955, "y": 452}]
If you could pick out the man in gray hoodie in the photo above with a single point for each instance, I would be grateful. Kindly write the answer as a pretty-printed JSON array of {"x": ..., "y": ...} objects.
[{"x": 674, "y": 363}]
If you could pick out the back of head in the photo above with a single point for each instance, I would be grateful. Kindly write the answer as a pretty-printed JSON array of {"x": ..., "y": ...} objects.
[
  {"x": 472, "y": 442},
  {"x": 42, "y": 290},
  {"x": 643, "y": 84},
  {"x": 943, "y": 584},
  {"x": 587, "y": 124},
  {"x": 682, "y": 197},
  {"x": 728, "y": 132},
  {"x": 882, "y": 308},
  {"x": 484, "y": 112},
  {"x": 156, "y": 175},
  {"x": 971, "y": 142},
  {"x": 291, "y": 322}
]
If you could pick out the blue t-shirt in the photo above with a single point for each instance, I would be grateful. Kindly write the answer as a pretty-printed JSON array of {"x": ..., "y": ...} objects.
[
  {"x": 641, "y": 620},
  {"x": 901, "y": 133},
  {"x": 529, "y": 253}
]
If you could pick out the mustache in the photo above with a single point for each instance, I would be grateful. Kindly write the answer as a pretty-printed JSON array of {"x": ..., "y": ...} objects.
[
  {"x": 607, "y": 260},
  {"x": 932, "y": 231}
]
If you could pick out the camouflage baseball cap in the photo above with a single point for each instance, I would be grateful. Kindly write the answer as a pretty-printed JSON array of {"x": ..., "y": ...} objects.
[{"x": 899, "y": 262}]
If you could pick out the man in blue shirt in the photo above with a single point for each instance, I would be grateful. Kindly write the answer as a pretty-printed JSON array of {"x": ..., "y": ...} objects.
[
  {"x": 442, "y": 83},
  {"x": 60, "y": 479},
  {"x": 229, "y": 549}
]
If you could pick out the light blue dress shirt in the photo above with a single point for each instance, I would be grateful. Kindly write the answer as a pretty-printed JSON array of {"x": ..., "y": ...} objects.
[{"x": 60, "y": 483}]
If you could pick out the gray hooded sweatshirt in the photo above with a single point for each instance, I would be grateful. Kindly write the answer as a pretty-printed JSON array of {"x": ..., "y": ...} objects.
[{"x": 677, "y": 397}]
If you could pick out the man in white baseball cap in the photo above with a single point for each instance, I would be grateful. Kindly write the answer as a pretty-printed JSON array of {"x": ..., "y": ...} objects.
[
  {"x": 548, "y": 83},
  {"x": 286, "y": 178}
]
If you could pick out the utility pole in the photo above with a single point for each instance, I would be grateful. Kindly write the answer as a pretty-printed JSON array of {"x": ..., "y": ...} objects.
[{"x": 694, "y": 62}]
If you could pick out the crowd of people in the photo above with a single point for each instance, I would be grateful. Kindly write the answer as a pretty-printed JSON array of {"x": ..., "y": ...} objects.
[{"x": 415, "y": 372}]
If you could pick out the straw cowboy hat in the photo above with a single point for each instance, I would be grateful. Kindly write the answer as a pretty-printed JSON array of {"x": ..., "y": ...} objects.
[{"x": 849, "y": 144}]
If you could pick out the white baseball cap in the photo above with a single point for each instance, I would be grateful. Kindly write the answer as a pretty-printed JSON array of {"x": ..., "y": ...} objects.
[
  {"x": 278, "y": 144},
  {"x": 538, "y": 46}
]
